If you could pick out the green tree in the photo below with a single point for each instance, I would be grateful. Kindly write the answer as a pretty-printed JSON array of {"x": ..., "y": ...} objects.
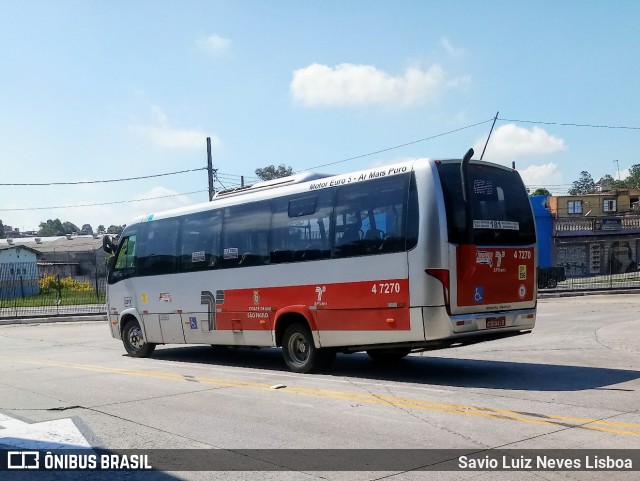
[
  {"x": 584, "y": 185},
  {"x": 70, "y": 228},
  {"x": 608, "y": 181},
  {"x": 1, "y": 230},
  {"x": 56, "y": 227},
  {"x": 633, "y": 180},
  {"x": 115, "y": 229},
  {"x": 101, "y": 229},
  {"x": 51, "y": 228},
  {"x": 541, "y": 191},
  {"x": 271, "y": 172}
]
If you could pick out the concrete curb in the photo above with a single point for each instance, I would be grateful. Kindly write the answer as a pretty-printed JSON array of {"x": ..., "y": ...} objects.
[{"x": 51, "y": 320}]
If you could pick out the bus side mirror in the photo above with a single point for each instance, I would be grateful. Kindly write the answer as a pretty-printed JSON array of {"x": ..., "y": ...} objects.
[{"x": 107, "y": 245}]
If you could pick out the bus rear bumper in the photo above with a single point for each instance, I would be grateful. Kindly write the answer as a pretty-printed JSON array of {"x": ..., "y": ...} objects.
[
  {"x": 439, "y": 325},
  {"x": 442, "y": 331}
]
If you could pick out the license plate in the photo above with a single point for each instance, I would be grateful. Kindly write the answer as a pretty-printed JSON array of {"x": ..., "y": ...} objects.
[{"x": 494, "y": 322}]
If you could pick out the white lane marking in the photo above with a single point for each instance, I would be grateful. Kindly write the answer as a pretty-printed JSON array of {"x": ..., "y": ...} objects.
[{"x": 57, "y": 434}]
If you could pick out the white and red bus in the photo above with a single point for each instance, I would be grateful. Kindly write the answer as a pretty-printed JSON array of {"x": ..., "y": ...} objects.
[{"x": 408, "y": 257}]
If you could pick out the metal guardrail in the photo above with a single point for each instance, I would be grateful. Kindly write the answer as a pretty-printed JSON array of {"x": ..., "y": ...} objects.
[
  {"x": 629, "y": 280},
  {"x": 27, "y": 290}
]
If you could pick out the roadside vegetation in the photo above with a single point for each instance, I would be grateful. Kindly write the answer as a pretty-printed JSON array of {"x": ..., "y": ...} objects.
[{"x": 56, "y": 291}]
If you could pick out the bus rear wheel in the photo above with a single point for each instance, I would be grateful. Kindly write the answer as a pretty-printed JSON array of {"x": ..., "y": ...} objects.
[
  {"x": 388, "y": 355},
  {"x": 299, "y": 352},
  {"x": 134, "y": 342}
]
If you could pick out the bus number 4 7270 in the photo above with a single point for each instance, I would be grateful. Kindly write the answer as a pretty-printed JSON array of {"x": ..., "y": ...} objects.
[{"x": 386, "y": 288}]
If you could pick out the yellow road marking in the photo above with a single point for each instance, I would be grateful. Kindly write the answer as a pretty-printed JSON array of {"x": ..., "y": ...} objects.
[{"x": 466, "y": 410}]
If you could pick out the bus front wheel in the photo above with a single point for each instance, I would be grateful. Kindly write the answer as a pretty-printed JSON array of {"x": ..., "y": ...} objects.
[
  {"x": 134, "y": 342},
  {"x": 299, "y": 352}
]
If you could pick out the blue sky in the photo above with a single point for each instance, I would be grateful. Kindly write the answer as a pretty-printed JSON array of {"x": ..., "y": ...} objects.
[{"x": 106, "y": 90}]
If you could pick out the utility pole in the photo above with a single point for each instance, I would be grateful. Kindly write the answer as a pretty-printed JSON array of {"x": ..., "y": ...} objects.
[
  {"x": 210, "y": 169},
  {"x": 618, "y": 163}
]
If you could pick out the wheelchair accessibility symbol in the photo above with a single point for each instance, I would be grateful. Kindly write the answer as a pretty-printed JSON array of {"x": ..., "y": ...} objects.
[{"x": 478, "y": 294}]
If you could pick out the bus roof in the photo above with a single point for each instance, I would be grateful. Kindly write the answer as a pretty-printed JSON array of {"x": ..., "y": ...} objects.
[
  {"x": 270, "y": 184},
  {"x": 298, "y": 183}
]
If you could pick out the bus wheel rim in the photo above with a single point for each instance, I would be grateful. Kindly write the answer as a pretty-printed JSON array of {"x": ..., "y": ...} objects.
[
  {"x": 135, "y": 338},
  {"x": 298, "y": 348}
]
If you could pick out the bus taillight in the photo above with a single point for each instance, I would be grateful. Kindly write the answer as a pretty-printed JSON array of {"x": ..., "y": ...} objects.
[{"x": 443, "y": 276}]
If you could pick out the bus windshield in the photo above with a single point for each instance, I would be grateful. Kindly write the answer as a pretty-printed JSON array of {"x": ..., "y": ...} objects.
[{"x": 499, "y": 206}]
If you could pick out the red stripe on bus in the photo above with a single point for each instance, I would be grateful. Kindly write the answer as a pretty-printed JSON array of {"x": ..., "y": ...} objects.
[
  {"x": 394, "y": 319},
  {"x": 357, "y": 306}
]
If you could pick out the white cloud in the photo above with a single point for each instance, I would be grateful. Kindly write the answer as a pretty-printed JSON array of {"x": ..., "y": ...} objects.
[
  {"x": 623, "y": 174},
  {"x": 349, "y": 84},
  {"x": 173, "y": 138},
  {"x": 385, "y": 162},
  {"x": 510, "y": 142},
  {"x": 541, "y": 175},
  {"x": 162, "y": 134},
  {"x": 91, "y": 212},
  {"x": 450, "y": 48},
  {"x": 158, "y": 114},
  {"x": 161, "y": 199},
  {"x": 214, "y": 44}
]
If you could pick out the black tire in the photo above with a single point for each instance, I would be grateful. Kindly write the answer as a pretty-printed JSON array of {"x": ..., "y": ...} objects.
[
  {"x": 299, "y": 352},
  {"x": 389, "y": 355},
  {"x": 134, "y": 342},
  {"x": 552, "y": 283}
]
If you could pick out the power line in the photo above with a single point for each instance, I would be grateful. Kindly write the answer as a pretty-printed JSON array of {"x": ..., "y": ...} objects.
[
  {"x": 102, "y": 181},
  {"x": 402, "y": 145},
  {"x": 226, "y": 175},
  {"x": 23, "y": 209},
  {"x": 237, "y": 178},
  {"x": 233, "y": 177},
  {"x": 215, "y": 174},
  {"x": 570, "y": 124},
  {"x": 102, "y": 203}
]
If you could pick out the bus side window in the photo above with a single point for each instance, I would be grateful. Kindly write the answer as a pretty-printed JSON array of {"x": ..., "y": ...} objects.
[
  {"x": 300, "y": 227},
  {"x": 158, "y": 249},
  {"x": 245, "y": 235},
  {"x": 349, "y": 233},
  {"x": 370, "y": 217},
  {"x": 316, "y": 234},
  {"x": 200, "y": 238}
]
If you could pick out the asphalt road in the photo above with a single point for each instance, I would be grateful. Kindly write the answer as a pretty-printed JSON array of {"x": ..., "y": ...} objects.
[{"x": 571, "y": 384}]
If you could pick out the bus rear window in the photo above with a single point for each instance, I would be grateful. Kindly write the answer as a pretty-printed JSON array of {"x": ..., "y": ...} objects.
[{"x": 500, "y": 209}]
